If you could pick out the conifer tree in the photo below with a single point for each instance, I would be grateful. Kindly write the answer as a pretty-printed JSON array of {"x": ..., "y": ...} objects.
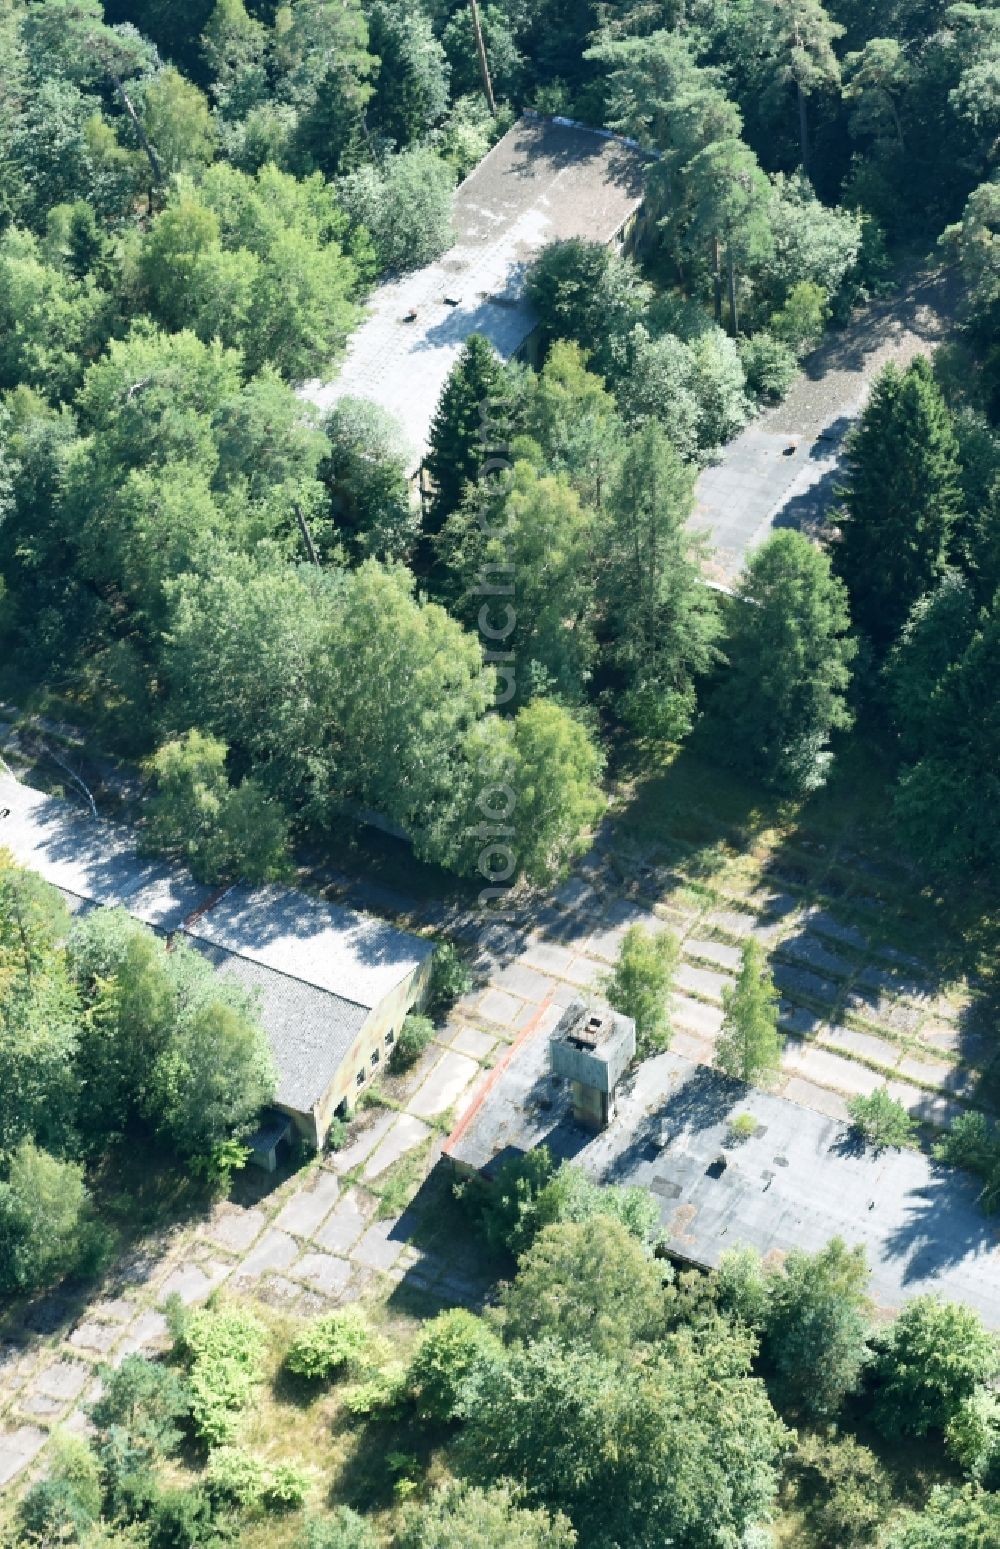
[
  {"x": 749, "y": 1046},
  {"x": 470, "y": 415},
  {"x": 901, "y": 502},
  {"x": 790, "y": 656}
]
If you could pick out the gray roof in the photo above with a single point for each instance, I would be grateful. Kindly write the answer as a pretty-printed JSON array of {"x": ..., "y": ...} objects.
[
  {"x": 546, "y": 179},
  {"x": 310, "y": 1030},
  {"x": 317, "y": 970},
  {"x": 92, "y": 860},
  {"x": 354, "y": 956},
  {"x": 799, "y": 1181}
]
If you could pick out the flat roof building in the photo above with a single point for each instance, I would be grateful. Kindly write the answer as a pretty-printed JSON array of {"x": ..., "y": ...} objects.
[
  {"x": 332, "y": 985},
  {"x": 546, "y": 179}
]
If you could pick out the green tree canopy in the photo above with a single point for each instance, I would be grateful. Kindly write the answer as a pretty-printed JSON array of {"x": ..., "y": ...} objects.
[
  {"x": 901, "y": 500},
  {"x": 789, "y": 652},
  {"x": 749, "y": 1045}
]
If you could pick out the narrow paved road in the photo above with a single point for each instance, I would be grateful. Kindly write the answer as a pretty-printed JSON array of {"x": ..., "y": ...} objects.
[{"x": 782, "y": 471}]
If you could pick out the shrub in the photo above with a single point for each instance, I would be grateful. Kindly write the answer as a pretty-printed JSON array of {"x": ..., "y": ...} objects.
[
  {"x": 234, "y": 1477},
  {"x": 881, "y": 1120},
  {"x": 145, "y": 1403},
  {"x": 343, "y": 1529},
  {"x": 770, "y": 366},
  {"x": 973, "y": 1144},
  {"x": 934, "y": 1357},
  {"x": 847, "y": 1492},
  {"x": 336, "y": 1135},
  {"x": 225, "y": 1350},
  {"x": 742, "y": 1126},
  {"x": 181, "y": 1518},
  {"x": 382, "y": 1394},
  {"x": 47, "y": 1229},
  {"x": 450, "y": 978},
  {"x": 286, "y": 1485},
  {"x": 411, "y": 1041},
  {"x": 972, "y": 1436},
  {"x": 338, "y": 1342},
  {"x": 62, "y": 1507},
  {"x": 449, "y": 1349}
]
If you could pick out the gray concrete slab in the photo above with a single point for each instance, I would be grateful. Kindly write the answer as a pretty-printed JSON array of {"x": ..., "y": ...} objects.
[
  {"x": 518, "y": 979},
  {"x": 350, "y": 1216},
  {"x": 18, "y": 1448},
  {"x": 309, "y": 1207},
  {"x": 500, "y": 1007},
  {"x": 470, "y": 1041},
  {"x": 148, "y": 1332},
  {"x": 733, "y": 922},
  {"x": 234, "y": 1228},
  {"x": 362, "y": 1145},
  {"x": 868, "y": 1045},
  {"x": 193, "y": 1282},
  {"x": 449, "y": 1078},
  {"x": 547, "y": 957},
  {"x": 322, "y": 1270},
  {"x": 694, "y": 1016},
  {"x": 701, "y": 981},
  {"x": 275, "y": 1250},
  {"x": 717, "y": 952},
  {"x": 95, "y": 1337},
  {"x": 115, "y": 1309},
  {"x": 828, "y": 1069},
  {"x": 377, "y": 1248},
  {"x": 407, "y": 1133},
  {"x": 584, "y": 972}
]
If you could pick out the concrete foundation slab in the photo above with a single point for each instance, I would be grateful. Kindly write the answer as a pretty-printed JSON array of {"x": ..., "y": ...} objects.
[
  {"x": 309, "y": 1208},
  {"x": 407, "y": 1133},
  {"x": 445, "y": 1084}
]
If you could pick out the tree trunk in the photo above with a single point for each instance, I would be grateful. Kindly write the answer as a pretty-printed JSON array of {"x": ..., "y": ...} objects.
[
  {"x": 717, "y": 279},
  {"x": 144, "y": 141},
  {"x": 734, "y": 316},
  {"x": 484, "y": 67},
  {"x": 804, "y": 129}
]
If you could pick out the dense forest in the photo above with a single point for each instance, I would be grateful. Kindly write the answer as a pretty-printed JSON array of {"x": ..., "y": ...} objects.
[{"x": 244, "y": 600}]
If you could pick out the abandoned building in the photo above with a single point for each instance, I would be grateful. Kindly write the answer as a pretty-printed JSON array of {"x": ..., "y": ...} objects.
[
  {"x": 332, "y": 985},
  {"x": 546, "y": 180}
]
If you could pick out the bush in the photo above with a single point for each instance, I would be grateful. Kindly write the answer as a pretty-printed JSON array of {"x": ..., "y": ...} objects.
[
  {"x": 450, "y": 978},
  {"x": 47, "y": 1229},
  {"x": 881, "y": 1120},
  {"x": 972, "y": 1436},
  {"x": 286, "y": 1486},
  {"x": 225, "y": 1350},
  {"x": 343, "y": 1529},
  {"x": 449, "y": 1349},
  {"x": 234, "y": 1477},
  {"x": 180, "y": 1519},
  {"x": 742, "y": 1126},
  {"x": 412, "y": 1039},
  {"x": 145, "y": 1402},
  {"x": 338, "y": 1342},
  {"x": 383, "y": 1393},
  {"x": 847, "y": 1492},
  {"x": 933, "y": 1359},
  {"x": 973, "y": 1144},
  {"x": 62, "y": 1507},
  {"x": 770, "y": 365}
]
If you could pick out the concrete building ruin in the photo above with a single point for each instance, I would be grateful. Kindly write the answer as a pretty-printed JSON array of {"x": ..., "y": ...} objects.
[{"x": 591, "y": 1048}]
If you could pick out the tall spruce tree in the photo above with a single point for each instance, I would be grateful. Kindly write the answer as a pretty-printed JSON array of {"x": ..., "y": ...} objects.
[
  {"x": 901, "y": 501},
  {"x": 470, "y": 425},
  {"x": 790, "y": 655},
  {"x": 749, "y": 1046}
]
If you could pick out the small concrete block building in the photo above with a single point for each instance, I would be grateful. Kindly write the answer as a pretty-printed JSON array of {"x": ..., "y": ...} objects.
[
  {"x": 333, "y": 987},
  {"x": 591, "y": 1048}
]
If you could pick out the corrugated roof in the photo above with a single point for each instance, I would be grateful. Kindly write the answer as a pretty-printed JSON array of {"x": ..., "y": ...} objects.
[
  {"x": 310, "y": 1030},
  {"x": 354, "y": 956},
  {"x": 546, "y": 179}
]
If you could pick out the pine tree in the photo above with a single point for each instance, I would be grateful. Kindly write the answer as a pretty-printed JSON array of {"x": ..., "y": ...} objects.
[
  {"x": 901, "y": 502},
  {"x": 790, "y": 656},
  {"x": 749, "y": 1046},
  {"x": 469, "y": 426}
]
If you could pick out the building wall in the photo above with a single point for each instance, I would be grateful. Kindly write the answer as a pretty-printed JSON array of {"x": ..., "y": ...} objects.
[{"x": 383, "y": 1023}]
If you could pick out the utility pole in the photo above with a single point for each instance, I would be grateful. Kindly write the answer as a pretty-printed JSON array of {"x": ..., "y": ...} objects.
[{"x": 483, "y": 61}]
